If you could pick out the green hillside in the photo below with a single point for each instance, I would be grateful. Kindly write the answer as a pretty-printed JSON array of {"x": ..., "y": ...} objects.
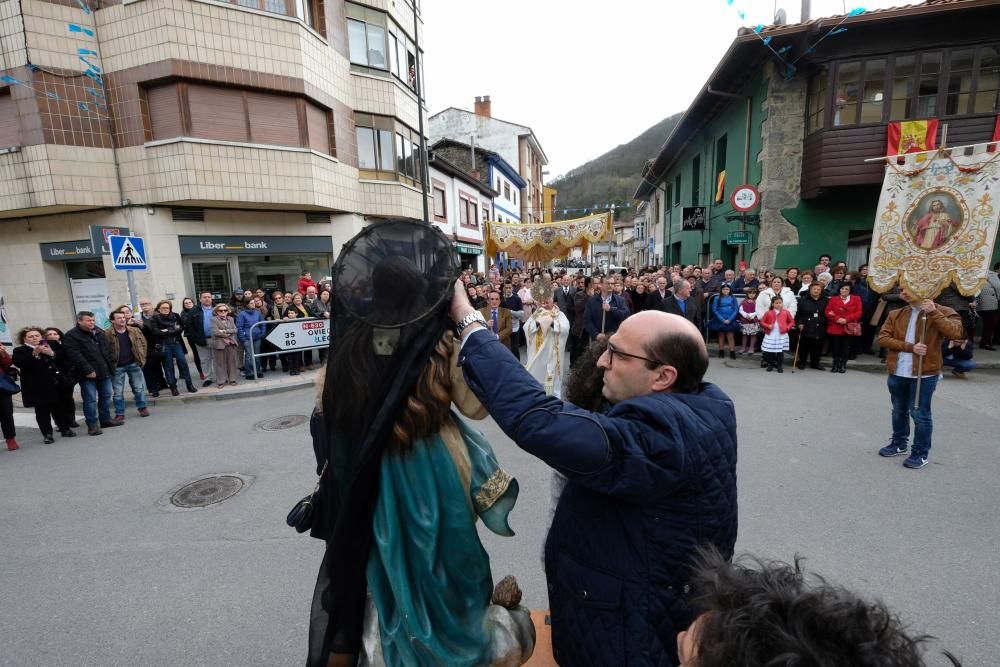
[{"x": 613, "y": 176}]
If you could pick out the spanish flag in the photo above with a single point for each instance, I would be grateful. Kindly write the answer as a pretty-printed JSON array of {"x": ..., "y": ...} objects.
[
  {"x": 720, "y": 186},
  {"x": 912, "y": 136}
]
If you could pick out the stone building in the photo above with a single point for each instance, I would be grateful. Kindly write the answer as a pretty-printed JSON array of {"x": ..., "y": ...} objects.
[
  {"x": 516, "y": 144},
  {"x": 244, "y": 140},
  {"x": 800, "y": 133}
]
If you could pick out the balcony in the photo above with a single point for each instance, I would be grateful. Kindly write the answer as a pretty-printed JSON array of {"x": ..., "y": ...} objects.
[{"x": 46, "y": 178}]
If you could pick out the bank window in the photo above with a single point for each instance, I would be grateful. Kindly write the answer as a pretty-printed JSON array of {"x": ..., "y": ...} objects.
[
  {"x": 816, "y": 104},
  {"x": 696, "y": 181},
  {"x": 677, "y": 190},
  {"x": 930, "y": 77},
  {"x": 366, "y": 37},
  {"x": 873, "y": 95},
  {"x": 988, "y": 81},
  {"x": 440, "y": 210},
  {"x": 846, "y": 109},
  {"x": 959, "y": 82},
  {"x": 902, "y": 87}
]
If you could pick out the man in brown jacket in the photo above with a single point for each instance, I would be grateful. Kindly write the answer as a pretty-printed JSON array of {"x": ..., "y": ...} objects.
[
  {"x": 498, "y": 319},
  {"x": 129, "y": 346},
  {"x": 900, "y": 335}
]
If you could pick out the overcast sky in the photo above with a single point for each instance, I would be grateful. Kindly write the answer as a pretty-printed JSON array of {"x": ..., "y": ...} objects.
[{"x": 586, "y": 76}]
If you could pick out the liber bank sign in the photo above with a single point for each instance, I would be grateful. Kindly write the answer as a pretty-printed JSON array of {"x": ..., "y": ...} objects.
[{"x": 254, "y": 245}]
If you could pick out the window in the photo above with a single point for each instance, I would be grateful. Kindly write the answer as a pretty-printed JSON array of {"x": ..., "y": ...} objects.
[
  {"x": 468, "y": 211},
  {"x": 182, "y": 109},
  {"x": 873, "y": 94},
  {"x": 366, "y": 36},
  {"x": 515, "y": 196},
  {"x": 902, "y": 88},
  {"x": 677, "y": 190},
  {"x": 720, "y": 166},
  {"x": 846, "y": 109},
  {"x": 309, "y": 12},
  {"x": 959, "y": 82},
  {"x": 816, "y": 105},
  {"x": 988, "y": 82},
  {"x": 387, "y": 149},
  {"x": 696, "y": 181},
  {"x": 667, "y": 200},
  {"x": 440, "y": 210},
  {"x": 367, "y": 155},
  {"x": 506, "y": 191},
  {"x": 927, "y": 92}
]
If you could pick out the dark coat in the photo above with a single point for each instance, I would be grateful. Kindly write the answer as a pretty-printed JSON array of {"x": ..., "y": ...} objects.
[
  {"x": 89, "y": 353},
  {"x": 669, "y": 305},
  {"x": 647, "y": 483},
  {"x": 612, "y": 320},
  {"x": 40, "y": 376},
  {"x": 193, "y": 321},
  {"x": 565, "y": 302},
  {"x": 811, "y": 315},
  {"x": 166, "y": 329},
  {"x": 654, "y": 300},
  {"x": 580, "y": 299}
]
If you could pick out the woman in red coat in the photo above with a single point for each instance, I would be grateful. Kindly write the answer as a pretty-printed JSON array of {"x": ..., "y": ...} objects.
[{"x": 840, "y": 310}]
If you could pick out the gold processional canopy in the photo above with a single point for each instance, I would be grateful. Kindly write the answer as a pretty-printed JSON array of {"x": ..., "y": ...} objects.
[{"x": 547, "y": 241}]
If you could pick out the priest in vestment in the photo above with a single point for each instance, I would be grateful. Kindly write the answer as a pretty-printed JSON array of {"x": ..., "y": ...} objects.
[{"x": 547, "y": 332}]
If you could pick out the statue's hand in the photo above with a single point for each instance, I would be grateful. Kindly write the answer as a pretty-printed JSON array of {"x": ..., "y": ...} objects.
[{"x": 507, "y": 593}]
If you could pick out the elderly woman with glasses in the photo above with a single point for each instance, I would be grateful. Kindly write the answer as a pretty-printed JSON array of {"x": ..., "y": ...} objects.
[{"x": 224, "y": 346}]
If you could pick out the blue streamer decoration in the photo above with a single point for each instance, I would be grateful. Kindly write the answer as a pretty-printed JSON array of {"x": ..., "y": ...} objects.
[
  {"x": 80, "y": 29},
  {"x": 838, "y": 31},
  {"x": 767, "y": 40},
  {"x": 6, "y": 78},
  {"x": 84, "y": 6},
  {"x": 86, "y": 52},
  {"x": 857, "y": 11}
]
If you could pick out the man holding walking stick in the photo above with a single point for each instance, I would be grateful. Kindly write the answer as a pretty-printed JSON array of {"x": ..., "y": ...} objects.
[
  {"x": 913, "y": 337},
  {"x": 605, "y": 311}
]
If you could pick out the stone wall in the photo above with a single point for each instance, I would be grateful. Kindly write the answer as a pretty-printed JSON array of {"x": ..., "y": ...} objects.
[{"x": 782, "y": 135}]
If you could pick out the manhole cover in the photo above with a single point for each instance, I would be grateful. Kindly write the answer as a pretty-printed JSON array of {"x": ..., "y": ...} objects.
[
  {"x": 281, "y": 423},
  {"x": 207, "y": 491}
]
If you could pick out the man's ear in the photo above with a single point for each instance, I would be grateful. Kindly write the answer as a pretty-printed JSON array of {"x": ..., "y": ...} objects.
[{"x": 665, "y": 380}]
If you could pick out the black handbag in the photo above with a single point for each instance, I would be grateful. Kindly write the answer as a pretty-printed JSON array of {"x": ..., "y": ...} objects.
[{"x": 301, "y": 516}]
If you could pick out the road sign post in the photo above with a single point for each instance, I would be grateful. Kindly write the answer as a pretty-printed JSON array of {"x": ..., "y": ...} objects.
[{"x": 128, "y": 254}]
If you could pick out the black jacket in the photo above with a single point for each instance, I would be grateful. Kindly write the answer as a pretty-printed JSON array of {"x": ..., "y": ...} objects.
[
  {"x": 166, "y": 329},
  {"x": 565, "y": 302},
  {"x": 812, "y": 315},
  {"x": 193, "y": 321},
  {"x": 89, "y": 353},
  {"x": 669, "y": 305},
  {"x": 40, "y": 376}
]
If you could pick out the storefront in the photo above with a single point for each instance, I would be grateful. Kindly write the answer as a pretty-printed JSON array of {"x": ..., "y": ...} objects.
[
  {"x": 85, "y": 276},
  {"x": 220, "y": 264},
  {"x": 470, "y": 255}
]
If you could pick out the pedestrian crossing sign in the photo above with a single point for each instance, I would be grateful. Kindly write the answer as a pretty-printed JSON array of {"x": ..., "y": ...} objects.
[{"x": 129, "y": 253}]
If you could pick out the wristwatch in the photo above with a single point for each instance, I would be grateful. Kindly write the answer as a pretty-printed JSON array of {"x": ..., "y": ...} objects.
[{"x": 474, "y": 316}]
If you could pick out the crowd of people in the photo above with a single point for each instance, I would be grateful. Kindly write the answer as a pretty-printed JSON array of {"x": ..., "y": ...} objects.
[{"x": 150, "y": 350}]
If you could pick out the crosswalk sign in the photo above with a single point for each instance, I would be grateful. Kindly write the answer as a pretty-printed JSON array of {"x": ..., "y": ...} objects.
[{"x": 129, "y": 253}]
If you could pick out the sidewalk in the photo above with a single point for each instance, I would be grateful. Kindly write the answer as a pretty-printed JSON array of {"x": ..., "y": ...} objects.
[{"x": 985, "y": 360}]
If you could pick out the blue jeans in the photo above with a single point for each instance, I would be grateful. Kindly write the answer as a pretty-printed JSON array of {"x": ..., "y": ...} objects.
[
  {"x": 173, "y": 351},
  {"x": 135, "y": 379},
  {"x": 250, "y": 348},
  {"x": 93, "y": 390},
  {"x": 903, "y": 391},
  {"x": 960, "y": 365}
]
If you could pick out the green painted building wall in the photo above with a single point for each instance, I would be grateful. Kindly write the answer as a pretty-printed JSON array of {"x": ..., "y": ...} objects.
[{"x": 731, "y": 124}]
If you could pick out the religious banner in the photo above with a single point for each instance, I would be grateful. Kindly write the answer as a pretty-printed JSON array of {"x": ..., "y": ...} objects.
[
  {"x": 547, "y": 241},
  {"x": 936, "y": 222},
  {"x": 912, "y": 136}
]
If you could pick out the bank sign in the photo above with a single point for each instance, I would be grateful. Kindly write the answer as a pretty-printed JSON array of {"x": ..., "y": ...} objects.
[
  {"x": 253, "y": 245},
  {"x": 68, "y": 251},
  {"x": 300, "y": 335}
]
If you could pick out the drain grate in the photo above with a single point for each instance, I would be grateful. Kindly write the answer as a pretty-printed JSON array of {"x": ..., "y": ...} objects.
[
  {"x": 207, "y": 491},
  {"x": 281, "y": 423}
]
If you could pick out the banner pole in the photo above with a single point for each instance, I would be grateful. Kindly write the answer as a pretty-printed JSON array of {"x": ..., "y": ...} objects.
[{"x": 920, "y": 361}]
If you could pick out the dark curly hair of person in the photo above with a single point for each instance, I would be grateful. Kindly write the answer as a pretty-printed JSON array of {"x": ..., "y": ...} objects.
[
  {"x": 767, "y": 613},
  {"x": 586, "y": 379}
]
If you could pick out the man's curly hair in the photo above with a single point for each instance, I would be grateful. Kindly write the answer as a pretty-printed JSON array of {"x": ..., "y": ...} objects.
[
  {"x": 767, "y": 613},
  {"x": 586, "y": 379}
]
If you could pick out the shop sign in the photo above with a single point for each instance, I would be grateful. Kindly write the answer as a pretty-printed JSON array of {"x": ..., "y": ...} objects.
[
  {"x": 99, "y": 235},
  {"x": 300, "y": 335},
  {"x": 692, "y": 218},
  {"x": 254, "y": 245},
  {"x": 68, "y": 251},
  {"x": 464, "y": 249}
]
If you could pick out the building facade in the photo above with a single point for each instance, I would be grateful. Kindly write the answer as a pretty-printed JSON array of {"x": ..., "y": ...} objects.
[
  {"x": 462, "y": 205},
  {"x": 801, "y": 134},
  {"x": 550, "y": 201},
  {"x": 245, "y": 141},
  {"x": 516, "y": 144}
]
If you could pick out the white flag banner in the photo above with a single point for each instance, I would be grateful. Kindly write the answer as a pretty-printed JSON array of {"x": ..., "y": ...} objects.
[{"x": 936, "y": 222}]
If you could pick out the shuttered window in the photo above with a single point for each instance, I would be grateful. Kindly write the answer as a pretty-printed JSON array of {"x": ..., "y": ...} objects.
[
  {"x": 10, "y": 129},
  {"x": 319, "y": 130},
  {"x": 217, "y": 113},
  {"x": 273, "y": 119},
  {"x": 164, "y": 111}
]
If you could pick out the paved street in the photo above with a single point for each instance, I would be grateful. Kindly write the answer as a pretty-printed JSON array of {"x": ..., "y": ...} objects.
[{"x": 94, "y": 570}]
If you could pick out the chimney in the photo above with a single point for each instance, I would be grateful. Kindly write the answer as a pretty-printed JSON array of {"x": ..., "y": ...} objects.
[
  {"x": 806, "y": 11},
  {"x": 483, "y": 106}
]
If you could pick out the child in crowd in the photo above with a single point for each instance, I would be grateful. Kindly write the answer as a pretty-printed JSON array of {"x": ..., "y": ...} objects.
[
  {"x": 725, "y": 309},
  {"x": 776, "y": 323},
  {"x": 749, "y": 324}
]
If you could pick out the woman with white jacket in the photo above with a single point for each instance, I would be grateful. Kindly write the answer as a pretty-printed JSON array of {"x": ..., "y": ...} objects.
[{"x": 777, "y": 288}]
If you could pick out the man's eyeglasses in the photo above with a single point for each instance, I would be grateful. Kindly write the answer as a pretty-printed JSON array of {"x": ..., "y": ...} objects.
[{"x": 614, "y": 351}]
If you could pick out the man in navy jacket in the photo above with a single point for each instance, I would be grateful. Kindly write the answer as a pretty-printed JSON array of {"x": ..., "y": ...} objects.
[
  {"x": 648, "y": 482},
  {"x": 605, "y": 310}
]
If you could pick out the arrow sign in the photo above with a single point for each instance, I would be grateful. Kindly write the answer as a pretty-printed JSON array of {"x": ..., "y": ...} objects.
[
  {"x": 129, "y": 253},
  {"x": 300, "y": 334}
]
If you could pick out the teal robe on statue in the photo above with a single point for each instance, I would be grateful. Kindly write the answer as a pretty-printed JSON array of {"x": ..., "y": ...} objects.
[{"x": 428, "y": 573}]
